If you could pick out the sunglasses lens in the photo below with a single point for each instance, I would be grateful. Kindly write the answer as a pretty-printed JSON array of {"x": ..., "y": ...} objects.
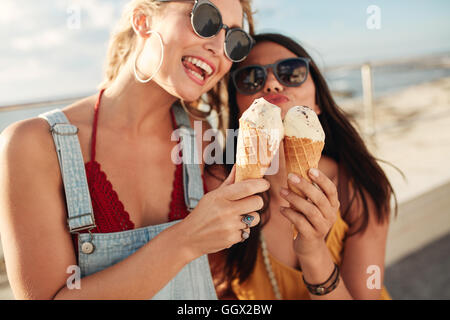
[
  {"x": 250, "y": 80},
  {"x": 206, "y": 20},
  {"x": 237, "y": 45},
  {"x": 207, "y": 23},
  {"x": 292, "y": 72}
]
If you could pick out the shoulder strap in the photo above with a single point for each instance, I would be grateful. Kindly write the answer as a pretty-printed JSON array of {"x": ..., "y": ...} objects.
[
  {"x": 65, "y": 136},
  {"x": 192, "y": 178}
]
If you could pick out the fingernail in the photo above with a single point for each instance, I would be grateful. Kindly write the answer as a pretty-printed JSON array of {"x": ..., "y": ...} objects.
[
  {"x": 294, "y": 178},
  {"x": 284, "y": 192},
  {"x": 314, "y": 172}
]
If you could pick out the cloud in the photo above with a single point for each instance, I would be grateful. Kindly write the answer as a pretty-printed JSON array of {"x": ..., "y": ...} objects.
[
  {"x": 93, "y": 14},
  {"x": 43, "y": 51},
  {"x": 43, "y": 55},
  {"x": 45, "y": 40},
  {"x": 101, "y": 14},
  {"x": 8, "y": 8},
  {"x": 29, "y": 69}
]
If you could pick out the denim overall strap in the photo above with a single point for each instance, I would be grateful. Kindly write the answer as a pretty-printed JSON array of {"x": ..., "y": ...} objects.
[
  {"x": 192, "y": 178},
  {"x": 78, "y": 199}
]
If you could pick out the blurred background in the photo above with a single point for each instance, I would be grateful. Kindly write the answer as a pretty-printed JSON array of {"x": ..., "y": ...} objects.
[{"x": 387, "y": 63}]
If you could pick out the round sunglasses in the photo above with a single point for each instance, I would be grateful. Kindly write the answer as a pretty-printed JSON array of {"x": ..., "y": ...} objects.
[
  {"x": 291, "y": 72},
  {"x": 207, "y": 22}
]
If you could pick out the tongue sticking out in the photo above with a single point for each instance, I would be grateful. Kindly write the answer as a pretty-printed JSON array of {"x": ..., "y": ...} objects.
[{"x": 193, "y": 67}]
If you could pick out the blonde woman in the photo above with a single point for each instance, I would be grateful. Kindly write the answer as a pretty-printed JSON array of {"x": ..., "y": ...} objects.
[{"x": 100, "y": 217}]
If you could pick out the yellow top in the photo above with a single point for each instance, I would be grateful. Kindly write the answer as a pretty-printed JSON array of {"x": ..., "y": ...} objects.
[{"x": 290, "y": 281}]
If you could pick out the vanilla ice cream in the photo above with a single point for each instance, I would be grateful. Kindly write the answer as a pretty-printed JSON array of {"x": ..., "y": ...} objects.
[
  {"x": 265, "y": 116},
  {"x": 261, "y": 131},
  {"x": 302, "y": 122}
]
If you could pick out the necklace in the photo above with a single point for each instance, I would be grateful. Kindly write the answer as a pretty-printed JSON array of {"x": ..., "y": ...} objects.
[
  {"x": 193, "y": 115},
  {"x": 206, "y": 115},
  {"x": 273, "y": 280}
]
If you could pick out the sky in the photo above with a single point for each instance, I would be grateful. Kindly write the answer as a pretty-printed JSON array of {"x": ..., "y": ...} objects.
[{"x": 56, "y": 48}]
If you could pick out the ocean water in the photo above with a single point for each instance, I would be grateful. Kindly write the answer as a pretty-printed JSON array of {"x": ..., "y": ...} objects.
[
  {"x": 386, "y": 79},
  {"x": 343, "y": 82},
  {"x": 9, "y": 117}
]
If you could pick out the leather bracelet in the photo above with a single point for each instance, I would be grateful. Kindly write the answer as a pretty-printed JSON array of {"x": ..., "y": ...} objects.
[{"x": 325, "y": 287}]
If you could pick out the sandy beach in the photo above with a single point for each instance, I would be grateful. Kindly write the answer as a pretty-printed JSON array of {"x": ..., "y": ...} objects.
[{"x": 412, "y": 133}]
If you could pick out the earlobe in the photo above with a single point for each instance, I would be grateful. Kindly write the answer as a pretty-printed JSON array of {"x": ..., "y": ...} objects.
[{"x": 317, "y": 109}]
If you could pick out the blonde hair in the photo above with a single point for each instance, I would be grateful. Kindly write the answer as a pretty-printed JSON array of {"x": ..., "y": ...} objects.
[{"x": 123, "y": 43}]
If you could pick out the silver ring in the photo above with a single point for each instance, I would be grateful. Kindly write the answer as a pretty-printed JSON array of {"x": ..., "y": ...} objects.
[
  {"x": 245, "y": 235},
  {"x": 248, "y": 219}
]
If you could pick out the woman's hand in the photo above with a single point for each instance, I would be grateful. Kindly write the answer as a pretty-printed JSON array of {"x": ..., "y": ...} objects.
[
  {"x": 314, "y": 216},
  {"x": 217, "y": 221}
]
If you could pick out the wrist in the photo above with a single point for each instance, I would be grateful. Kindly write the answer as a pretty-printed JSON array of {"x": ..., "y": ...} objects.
[
  {"x": 314, "y": 254},
  {"x": 180, "y": 238},
  {"x": 317, "y": 267}
]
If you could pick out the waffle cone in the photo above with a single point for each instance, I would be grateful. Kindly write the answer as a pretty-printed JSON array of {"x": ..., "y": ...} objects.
[
  {"x": 301, "y": 154},
  {"x": 254, "y": 153}
]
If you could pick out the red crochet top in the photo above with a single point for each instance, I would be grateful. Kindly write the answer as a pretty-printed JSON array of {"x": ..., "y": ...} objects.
[{"x": 110, "y": 214}]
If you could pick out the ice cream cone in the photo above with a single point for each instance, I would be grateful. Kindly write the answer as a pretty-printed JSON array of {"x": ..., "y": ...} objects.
[
  {"x": 251, "y": 163},
  {"x": 303, "y": 144},
  {"x": 260, "y": 133},
  {"x": 301, "y": 155}
]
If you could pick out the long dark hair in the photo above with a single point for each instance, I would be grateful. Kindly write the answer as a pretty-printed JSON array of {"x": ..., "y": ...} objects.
[{"x": 343, "y": 144}]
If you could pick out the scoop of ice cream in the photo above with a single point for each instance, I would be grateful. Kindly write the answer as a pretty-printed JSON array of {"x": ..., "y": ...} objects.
[
  {"x": 302, "y": 122},
  {"x": 263, "y": 115},
  {"x": 266, "y": 117}
]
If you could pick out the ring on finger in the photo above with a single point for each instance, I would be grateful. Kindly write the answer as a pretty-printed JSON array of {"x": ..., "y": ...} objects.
[
  {"x": 245, "y": 235},
  {"x": 248, "y": 219}
]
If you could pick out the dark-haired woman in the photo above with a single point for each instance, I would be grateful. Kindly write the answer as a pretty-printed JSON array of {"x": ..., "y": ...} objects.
[{"x": 340, "y": 250}]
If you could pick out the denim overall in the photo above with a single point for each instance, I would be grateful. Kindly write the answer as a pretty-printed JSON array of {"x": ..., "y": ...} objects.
[{"x": 98, "y": 251}]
